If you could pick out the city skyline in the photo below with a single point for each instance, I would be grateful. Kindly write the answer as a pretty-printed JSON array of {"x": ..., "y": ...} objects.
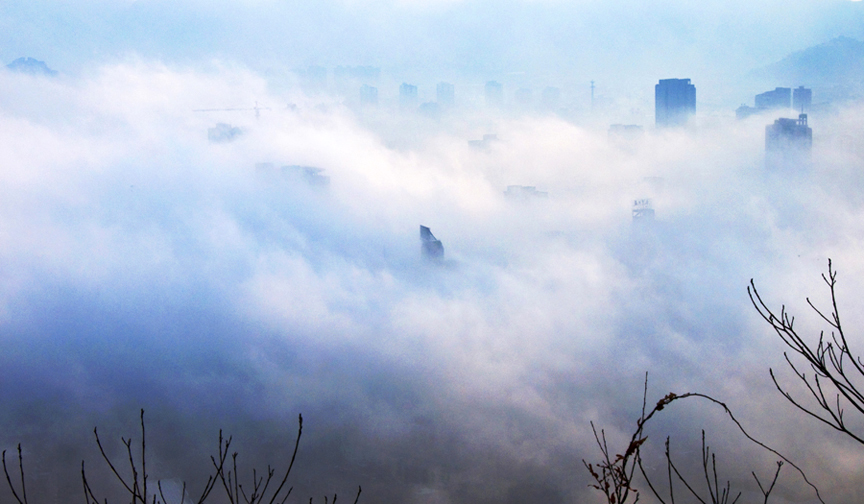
[{"x": 211, "y": 212}]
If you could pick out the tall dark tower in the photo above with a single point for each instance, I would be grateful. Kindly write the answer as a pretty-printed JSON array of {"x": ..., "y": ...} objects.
[
  {"x": 674, "y": 101},
  {"x": 430, "y": 247}
]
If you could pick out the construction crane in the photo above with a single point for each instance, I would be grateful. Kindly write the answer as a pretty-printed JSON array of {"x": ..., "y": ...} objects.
[{"x": 256, "y": 108}]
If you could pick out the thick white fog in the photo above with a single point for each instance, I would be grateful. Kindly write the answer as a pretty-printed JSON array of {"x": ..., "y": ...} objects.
[{"x": 145, "y": 265}]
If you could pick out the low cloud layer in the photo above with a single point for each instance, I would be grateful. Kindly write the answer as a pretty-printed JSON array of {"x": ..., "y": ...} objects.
[{"x": 143, "y": 266}]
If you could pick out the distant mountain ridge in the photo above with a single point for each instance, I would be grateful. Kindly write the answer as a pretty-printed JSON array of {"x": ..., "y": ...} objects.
[
  {"x": 30, "y": 66},
  {"x": 836, "y": 62}
]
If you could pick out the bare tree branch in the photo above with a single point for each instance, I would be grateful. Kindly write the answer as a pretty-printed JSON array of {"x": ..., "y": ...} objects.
[
  {"x": 23, "y": 499},
  {"x": 614, "y": 476},
  {"x": 833, "y": 385}
]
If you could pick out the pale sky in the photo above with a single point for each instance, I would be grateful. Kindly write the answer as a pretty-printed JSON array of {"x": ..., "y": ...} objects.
[{"x": 605, "y": 40}]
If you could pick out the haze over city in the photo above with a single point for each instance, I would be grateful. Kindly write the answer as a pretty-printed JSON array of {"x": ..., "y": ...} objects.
[{"x": 210, "y": 211}]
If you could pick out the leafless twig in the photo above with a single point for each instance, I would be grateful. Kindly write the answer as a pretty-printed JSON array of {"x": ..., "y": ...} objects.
[
  {"x": 837, "y": 374},
  {"x": 231, "y": 481},
  {"x": 613, "y": 475},
  {"x": 23, "y": 498},
  {"x": 767, "y": 492}
]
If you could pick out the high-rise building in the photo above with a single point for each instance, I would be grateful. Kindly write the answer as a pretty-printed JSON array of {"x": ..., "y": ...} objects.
[
  {"x": 488, "y": 139},
  {"x": 368, "y": 95},
  {"x": 788, "y": 143},
  {"x": 745, "y": 111},
  {"x": 674, "y": 101},
  {"x": 643, "y": 210},
  {"x": 430, "y": 247},
  {"x": 780, "y": 98},
  {"x": 802, "y": 98},
  {"x": 494, "y": 94},
  {"x": 347, "y": 78},
  {"x": 407, "y": 95},
  {"x": 445, "y": 94}
]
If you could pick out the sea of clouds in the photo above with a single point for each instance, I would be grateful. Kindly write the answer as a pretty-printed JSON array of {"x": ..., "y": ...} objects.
[{"x": 142, "y": 266}]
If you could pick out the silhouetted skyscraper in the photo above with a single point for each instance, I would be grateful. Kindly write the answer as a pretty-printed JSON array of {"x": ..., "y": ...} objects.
[
  {"x": 407, "y": 95},
  {"x": 430, "y": 247},
  {"x": 674, "y": 101},
  {"x": 802, "y": 98},
  {"x": 494, "y": 94},
  {"x": 780, "y": 98},
  {"x": 788, "y": 143},
  {"x": 445, "y": 94}
]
